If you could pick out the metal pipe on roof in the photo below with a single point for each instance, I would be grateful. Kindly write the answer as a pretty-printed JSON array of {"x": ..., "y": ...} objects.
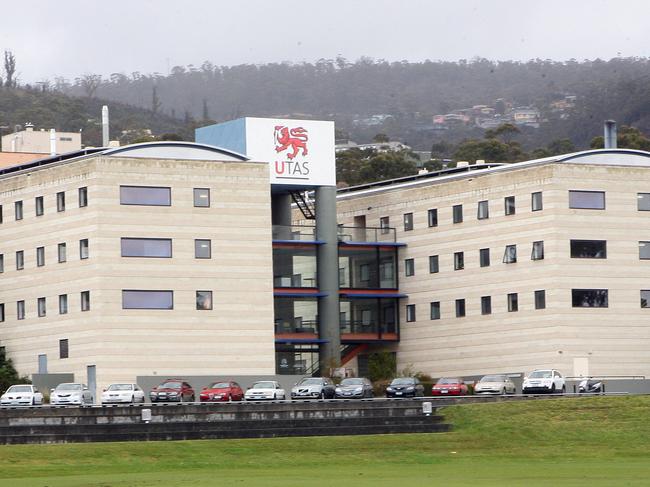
[
  {"x": 105, "y": 126},
  {"x": 52, "y": 142},
  {"x": 610, "y": 134}
]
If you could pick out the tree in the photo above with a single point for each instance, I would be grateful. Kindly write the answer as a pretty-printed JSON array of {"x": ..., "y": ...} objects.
[
  {"x": 381, "y": 366},
  {"x": 356, "y": 166},
  {"x": 379, "y": 138},
  {"x": 90, "y": 83},
  {"x": 155, "y": 101},
  {"x": 627, "y": 138},
  {"x": 10, "y": 69},
  {"x": 206, "y": 113},
  {"x": 505, "y": 131},
  {"x": 8, "y": 374},
  {"x": 490, "y": 150}
]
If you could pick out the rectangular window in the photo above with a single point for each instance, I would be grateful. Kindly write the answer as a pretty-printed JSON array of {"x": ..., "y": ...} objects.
[
  {"x": 589, "y": 249},
  {"x": 483, "y": 211},
  {"x": 202, "y": 249},
  {"x": 2, "y": 312},
  {"x": 410, "y": 312},
  {"x": 83, "y": 248},
  {"x": 587, "y": 200},
  {"x": 18, "y": 210},
  {"x": 145, "y": 195},
  {"x": 510, "y": 255},
  {"x": 2, "y": 263},
  {"x": 38, "y": 204},
  {"x": 538, "y": 250},
  {"x": 204, "y": 300},
  {"x": 589, "y": 298},
  {"x": 1, "y": 213},
  {"x": 644, "y": 250},
  {"x": 85, "y": 300},
  {"x": 486, "y": 305},
  {"x": 40, "y": 256},
  {"x": 536, "y": 203},
  {"x": 83, "y": 197},
  {"x": 20, "y": 310},
  {"x": 63, "y": 304},
  {"x": 509, "y": 204},
  {"x": 643, "y": 201},
  {"x": 458, "y": 213},
  {"x": 61, "y": 252},
  {"x": 460, "y": 308},
  {"x": 540, "y": 299},
  {"x": 434, "y": 265},
  {"x": 484, "y": 257},
  {"x": 60, "y": 201},
  {"x": 432, "y": 217},
  {"x": 146, "y": 247},
  {"x": 408, "y": 222},
  {"x": 409, "y": 267},
  {"x": 20, "y": 260},
  {"x": 63, "y": 348},
  {"x": 132, "y": 299},
  {"x": 202, "y": 197},
  {"x": 513, "y": 302},
  {"x": 435, "y": 310},
  {"x": 384, "y": 223},
  {"x": 41, "y": 307},
  {"x": 645, "y": 299},
  {"x": 459, "y": 261}
]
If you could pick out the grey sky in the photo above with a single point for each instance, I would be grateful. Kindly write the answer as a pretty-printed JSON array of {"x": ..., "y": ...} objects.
[{"x": 71, "y": 37}]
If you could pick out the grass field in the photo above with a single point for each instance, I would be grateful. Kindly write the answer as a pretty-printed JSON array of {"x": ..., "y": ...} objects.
[{"x": 564, "y": 442}]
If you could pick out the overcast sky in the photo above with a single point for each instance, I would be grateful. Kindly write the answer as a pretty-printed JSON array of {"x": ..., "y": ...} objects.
[{"x": 72, "y": 37}]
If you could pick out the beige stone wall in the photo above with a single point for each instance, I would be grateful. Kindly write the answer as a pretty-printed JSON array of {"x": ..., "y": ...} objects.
[{"x": 39, "y": 141}]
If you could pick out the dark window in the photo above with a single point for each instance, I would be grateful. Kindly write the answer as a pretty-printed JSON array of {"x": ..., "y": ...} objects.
[
  {"x": 410, "y": 312},
  {"x": 132, "y": 299},
  {"x": 20, "y": 260},
  {"x": 60, "y": 201},
  {"x": 61, "y": 250},
  {"x": 645, "y": 299},
  {"x": 146, "y": 247},
  {"x": 540, "y": 299},
  {"x": 643, "y": 201},
  {"x": 435, "y": 310},
  {"x": 63, "y": 348},
  {"x": 18, "y": 210},
  {"x": 459, "y": 261},
  {"x": 433, "y": 264},
  {"x": 20, "y": 310},
  {"x": 2, "y": 263},
  {"x": 460, "y": 308},
  {"x": 409, "y": 267},
  {"x": 589, "y": 249},
  {"x": 202, "y": 197},
  {"x": 145, "y": 195},
  {"x": 589, "y": 298},
  {"x": 484, "y": 257},
  {"x": 41, "y": 307},
  {"x": 63, "y": 304},
  {"x": 2, "y": 312},
  {"x": 509, "y": 204},
  {"x": 202, "y": 249},
  {"x": 408, "y": 222},
  {"x": 40, "y": 208},
  {"x": 588, "y": 200},
  {"x": 486, "y": 305},
  {"x": 510, "y": 254},
  {"x": 538, "y": 251},
  {"x": 432, "y": 217},
  {"x": 384, "y": 223},
  {"x": 83, "y": 197},
  {"x": 83, "y": 248},
  {"x": 513, "y": 302},
  {"x": 483, "y": 211},
  {"x": 644, "y": 250},
  {"x": 458, "y": 213},
  {"x": 536, "y": 203},
  {"x": 40, "y": 256},
  {"x": 204, "y": 300},
  {"x": 85, "y": 300},
  {"x": 1, "y": 213}
]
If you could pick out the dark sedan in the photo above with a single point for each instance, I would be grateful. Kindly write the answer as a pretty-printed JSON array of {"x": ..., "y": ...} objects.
[{"x": 405, "y": 387}]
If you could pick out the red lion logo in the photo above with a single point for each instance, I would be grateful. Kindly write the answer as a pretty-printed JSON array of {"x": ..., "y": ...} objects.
[{"x": 286, "y": 138}]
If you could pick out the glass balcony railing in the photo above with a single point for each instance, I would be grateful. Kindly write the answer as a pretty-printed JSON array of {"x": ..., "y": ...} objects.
[
  {"x": 367, "y": 234},
  {"x": 296, "y": 326},
  {"x": 298, "y": 233}
]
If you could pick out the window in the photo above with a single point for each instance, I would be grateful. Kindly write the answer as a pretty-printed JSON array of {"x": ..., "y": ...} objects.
[
  {"x": 63, "y": 348},
  {"x": 2, "y": 263},
  {"x": 645, "y": 300},
  {"x": 540, "y": 299},
  {"x": 510, "y": 255},
  {"x": 2, "y": 312},
  {"x": 408, "y": 222},
  {"x": 60, "y": 201},
  {"x": 483, "y": 211},
  {"x": 435, "y": 310},
  {"x": 538, "y": 250},
  {"x": 146, "y": 247},
  {"x": 145, "y": 195},
  {"x": 432, "y": 217},
  {"x": 384, "y": 223},
  {"x": 20, "y": 310},
  {"x": 433, "y": 264},
  {"x": 587, "y": 200},
  {"x": 85, "y": 300},
  {"x": 513, "y": 302},
  {"x": 460, "y": 308},
  {"x": 410, "y": 312},
  {"x": 644, "y": 250},
  {"x": 459, "y": 261},
  {"x": 63, "y": 304},
  {"x": 1, "y": 213},
  {"x": 83, "y": 197},
  {"x": 643, "y": 201},
  {"x": 132, "y": 299},
  {"x": 61, "y": 252},
  {"x": 20, "y": 260},
  {"x": 536, "y": 203},
  {"x": 18, "y": 210},
  {"x": 40, "y": 256},
  {"x": 41, "y": 307},
  {"x": 589, "y": 249},
  {"x": 38, "y": 204},
  {"x": 204, "y": 300},
  {"x": 83, "y": 248},
  {"x": 486, "y": 305},
  {"x": 458, "y": 213},
  {"x": 409, "y": 267},
  {"x": 202, "y": 197},
  {"x": 589, "y": 298},
  {"x": 484, "y": 257},
  {"x": 509, "y": 204},
  {"x": 202, "y": 249}
]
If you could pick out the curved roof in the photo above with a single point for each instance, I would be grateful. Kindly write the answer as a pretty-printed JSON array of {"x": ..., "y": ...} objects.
[{"x": 176, "y": 150}]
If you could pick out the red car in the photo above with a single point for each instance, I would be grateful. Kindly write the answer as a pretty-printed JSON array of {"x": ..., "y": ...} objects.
[
  {"x": 222, "y": 391},
  {"x": 172, "y": 390},
  {"x": 449, "y": 386}
]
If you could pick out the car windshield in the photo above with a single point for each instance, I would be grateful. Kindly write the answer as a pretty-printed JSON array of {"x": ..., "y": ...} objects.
[
  {"x": 352, "y": 382},
  {"x": 541, "y": 374},
  {"x": 403, "y": 381},
  {"x": 449, "y": 380},
  {"x": 119, "y": 387},
  {"x": 68, "y": 387},
  {"x": 310, "y": 382},
  {"x": 170, "y": 385},
  {"x": 220, "y": 385},
  {"x": 493, "y": 378},
  {"x": 264, "y": 385},
  {"x": 20, "y": 389}
]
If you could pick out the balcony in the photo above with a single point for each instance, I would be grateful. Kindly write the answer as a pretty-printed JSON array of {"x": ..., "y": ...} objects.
[
  {"x": 296, "y": 318},
  {"x": 363, "y": 320},
  {"x": 294, "y": 234},
  {"x": 367, "y": 235}
]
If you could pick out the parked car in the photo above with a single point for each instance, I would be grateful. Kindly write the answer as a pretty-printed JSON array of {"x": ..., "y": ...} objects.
[
  {"x": 71, "y": 393},
  {"x": 172, "y": 390},
  {"x": 21, "y": 395},
  {"x": 546, "y": 380},
  {"x": 222, "y": 391},
  {"x": 449, "y": 386},
  {"x": 353, "y": 387},
  {"x": 265, "y": 389},
  {"x": 404, "y": 387},
  {"x": 123, "y": 393},
  {"x": 312, "y": 388},
  {"x": 495, "y": 384}
]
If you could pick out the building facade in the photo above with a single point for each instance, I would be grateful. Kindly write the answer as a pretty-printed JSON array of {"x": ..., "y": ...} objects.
[{"x": 41, "y": 141}]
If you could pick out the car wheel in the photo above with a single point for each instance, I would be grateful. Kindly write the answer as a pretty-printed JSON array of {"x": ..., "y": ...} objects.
[
  {"x": 322, "y": 395},
  {"x": 503, "y": 391},
  {"x": 229, "y": 397},
  {"x": 563, "y": 389},
  {"x": 192, "y": 398},
  {"x": 553, "y": 388}
]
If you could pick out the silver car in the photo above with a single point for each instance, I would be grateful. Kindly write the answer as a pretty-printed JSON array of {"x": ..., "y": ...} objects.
[
  {"x": 313, "y": 388},
  {"x": 495, "y": 384},
  {"x": 71, "y": 393},
  {"x": 354, "y": 387}
]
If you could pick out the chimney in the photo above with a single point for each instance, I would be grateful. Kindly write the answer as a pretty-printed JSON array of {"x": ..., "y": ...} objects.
[
  {"x": 610, "y": 134},
  {"x": 52, "y": 142},
  {"x": 105, "y": 141},
  {"x": 29, "y": 127}
]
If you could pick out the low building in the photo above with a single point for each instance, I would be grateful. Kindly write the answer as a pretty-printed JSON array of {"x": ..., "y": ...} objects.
[{"x": 41, "y": 141}]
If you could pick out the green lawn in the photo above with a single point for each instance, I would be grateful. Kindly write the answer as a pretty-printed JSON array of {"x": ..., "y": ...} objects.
[{"x": 594, "y": 441}]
